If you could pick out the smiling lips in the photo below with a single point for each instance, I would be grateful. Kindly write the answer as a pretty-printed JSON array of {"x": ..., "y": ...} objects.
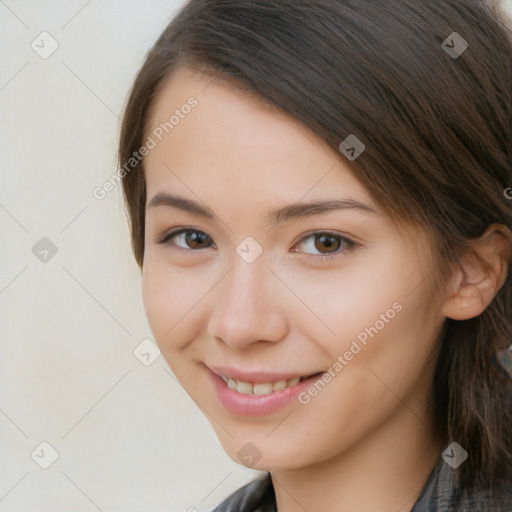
[{"x": 257, "y": 394}]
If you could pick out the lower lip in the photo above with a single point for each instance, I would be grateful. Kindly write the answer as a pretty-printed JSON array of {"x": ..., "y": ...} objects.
[{"x": 257, "y": 405}]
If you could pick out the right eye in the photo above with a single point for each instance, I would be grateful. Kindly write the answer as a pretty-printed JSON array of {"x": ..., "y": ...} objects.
[{"x": 186, "y": 238}]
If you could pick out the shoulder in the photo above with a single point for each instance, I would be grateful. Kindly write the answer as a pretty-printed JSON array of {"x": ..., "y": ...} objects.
[
  {"x": 256, "y": 496},
  {"x": 495, "y": 499},
  {"x": 442, "y": 493}
]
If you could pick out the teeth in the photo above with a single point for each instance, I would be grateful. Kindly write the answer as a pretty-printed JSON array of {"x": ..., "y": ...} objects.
[
  {"x": 293, "y": 382},
  {"x": 263, "y": 388},
  {"x": 244, "y": 387},
  {"x": 279, "y": 385},
  {"x": 260, "y": 388}
]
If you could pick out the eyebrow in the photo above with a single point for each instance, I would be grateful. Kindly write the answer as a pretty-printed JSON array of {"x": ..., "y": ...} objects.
[{"x": 274, "y": 217}]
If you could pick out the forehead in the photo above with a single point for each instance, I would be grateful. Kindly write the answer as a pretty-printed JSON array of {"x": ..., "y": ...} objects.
[
  {"x": 185, "y": 81},
  {"x": 233, "y": 135},
  {"x": 226, "y": 111}
]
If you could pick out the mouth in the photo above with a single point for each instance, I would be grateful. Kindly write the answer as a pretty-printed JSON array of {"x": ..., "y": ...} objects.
[
  {"x": 265, "y": 388},
  {"x": 258, "y": 393}
]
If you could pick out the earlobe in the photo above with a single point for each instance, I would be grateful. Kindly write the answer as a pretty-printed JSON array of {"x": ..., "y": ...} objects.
[{"x": 482, "y": 273}]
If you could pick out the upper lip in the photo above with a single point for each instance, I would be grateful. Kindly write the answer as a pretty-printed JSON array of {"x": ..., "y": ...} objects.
[{"x": 255, "y": 376}]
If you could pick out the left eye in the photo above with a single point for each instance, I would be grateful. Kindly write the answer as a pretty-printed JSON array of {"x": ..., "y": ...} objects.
[
  {"x": 335, "y": 244},
  {"x": 192, "y": 239}
]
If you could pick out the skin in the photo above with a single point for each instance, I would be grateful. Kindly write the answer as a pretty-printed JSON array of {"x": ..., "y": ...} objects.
[{"x": 364, "y": 442}]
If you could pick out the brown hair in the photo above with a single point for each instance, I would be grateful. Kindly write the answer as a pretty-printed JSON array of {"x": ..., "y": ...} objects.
[{"x": 438, "y": 136}]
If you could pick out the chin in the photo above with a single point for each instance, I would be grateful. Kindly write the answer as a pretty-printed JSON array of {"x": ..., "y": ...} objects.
[{"x": 264, "y": 456}]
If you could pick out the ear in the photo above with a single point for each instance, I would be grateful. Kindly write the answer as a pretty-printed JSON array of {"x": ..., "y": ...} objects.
[{"x": 483, "y": 272}]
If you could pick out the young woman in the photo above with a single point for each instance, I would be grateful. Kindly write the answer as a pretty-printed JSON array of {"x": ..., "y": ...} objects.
[{"x": 320, "y": 199}]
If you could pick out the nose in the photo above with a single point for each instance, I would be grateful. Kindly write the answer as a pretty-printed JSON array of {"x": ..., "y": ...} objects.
[{"x": 248, "y": 305}]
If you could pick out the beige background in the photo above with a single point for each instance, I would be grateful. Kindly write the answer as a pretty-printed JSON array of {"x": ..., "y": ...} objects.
[{"x": 128, "y": 437}]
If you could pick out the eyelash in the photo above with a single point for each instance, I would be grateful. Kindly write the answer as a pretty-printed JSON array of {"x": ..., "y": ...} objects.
[{"x": 350, "y": 245}]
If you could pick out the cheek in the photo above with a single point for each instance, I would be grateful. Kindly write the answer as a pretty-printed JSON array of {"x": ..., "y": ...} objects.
[
  {"x": 383, "y": 359},
  {"x": 379, "y": 318},
  {"x": 171, "y": 299},
  {"x": 350, "y": 299}
]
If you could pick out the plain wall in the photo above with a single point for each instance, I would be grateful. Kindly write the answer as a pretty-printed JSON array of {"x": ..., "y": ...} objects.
[{"x": 127, "y": 435}]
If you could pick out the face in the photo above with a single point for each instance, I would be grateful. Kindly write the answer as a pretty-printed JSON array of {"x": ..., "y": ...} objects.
[{"x": 233, "y": 289}]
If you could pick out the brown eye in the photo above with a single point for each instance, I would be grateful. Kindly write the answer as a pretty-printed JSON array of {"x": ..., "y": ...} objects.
[
  {"x": 330, "y": 242},
  {"x": 195, "y": 239},
  {"x": 186, "y": 239},
  {"x": 327, "y": 245}
]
